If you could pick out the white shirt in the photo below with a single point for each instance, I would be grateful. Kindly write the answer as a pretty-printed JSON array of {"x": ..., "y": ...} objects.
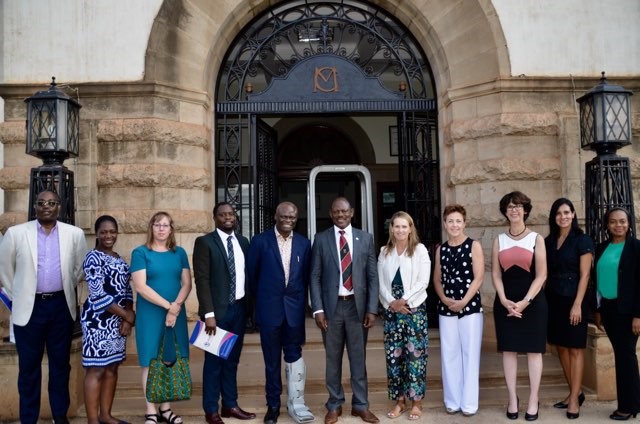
[{"x": 238, "y": 257}]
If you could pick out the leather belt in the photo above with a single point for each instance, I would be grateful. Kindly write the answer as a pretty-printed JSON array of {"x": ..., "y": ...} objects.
[
  {"x": 51, "y": 295},
  {"x": 347, "y": 297}
]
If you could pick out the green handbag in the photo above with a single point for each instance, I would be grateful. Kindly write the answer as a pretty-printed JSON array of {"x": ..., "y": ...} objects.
[{"x": 169, "y": 374}]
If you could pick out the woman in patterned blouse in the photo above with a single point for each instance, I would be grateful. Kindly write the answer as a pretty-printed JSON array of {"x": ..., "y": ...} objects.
[{"x": 457, "y": 277}]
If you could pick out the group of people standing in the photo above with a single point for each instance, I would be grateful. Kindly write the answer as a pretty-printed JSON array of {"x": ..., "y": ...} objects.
[
  {"x": 540, "y": 284},
  {"x": 541, "y": 297}
]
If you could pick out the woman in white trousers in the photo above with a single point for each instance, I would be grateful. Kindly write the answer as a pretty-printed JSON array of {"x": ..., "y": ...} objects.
[{"x": 458, "y": 275}]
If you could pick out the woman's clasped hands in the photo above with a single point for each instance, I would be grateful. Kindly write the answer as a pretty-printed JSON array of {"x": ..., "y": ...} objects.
[
  {"x": 515, "y": 309},
  {"x": 399, "y": 306}
]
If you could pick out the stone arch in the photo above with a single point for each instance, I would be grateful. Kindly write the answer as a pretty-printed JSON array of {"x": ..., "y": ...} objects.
[{"x": 188, "y": 40}]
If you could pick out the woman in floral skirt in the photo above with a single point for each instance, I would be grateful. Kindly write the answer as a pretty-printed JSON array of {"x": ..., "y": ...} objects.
[{"x": 404, "y": 270}]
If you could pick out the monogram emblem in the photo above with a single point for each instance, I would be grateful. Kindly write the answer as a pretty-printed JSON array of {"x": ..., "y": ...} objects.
[{"x": 325, "y": 79}]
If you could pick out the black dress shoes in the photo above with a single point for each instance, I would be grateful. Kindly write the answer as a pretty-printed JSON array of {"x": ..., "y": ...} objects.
[
  {"x": 563, "y": 405},
  {"x": 271, "y": 417},
  {"x": 513, "y": 415},
  {"x": 619, "y": 416},
  {"x": 213, "y": 418},
  {"x": 532, "y": 417},
  {"x": 237, "y": 412}
]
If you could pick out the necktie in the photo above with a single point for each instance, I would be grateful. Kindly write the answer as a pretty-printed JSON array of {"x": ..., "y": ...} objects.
[
  {"x": 345, "y": 262},
  {"x": 232, "y": 270}
]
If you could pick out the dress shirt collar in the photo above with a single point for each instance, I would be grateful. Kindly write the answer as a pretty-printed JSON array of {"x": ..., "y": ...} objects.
[
  {"x": 224, "y": 236},
  {"x": 348, "y": 230},
  {"x": 279, "y": 236}
]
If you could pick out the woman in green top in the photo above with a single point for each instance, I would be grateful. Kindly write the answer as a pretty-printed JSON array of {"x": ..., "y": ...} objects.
[{"x": 618, "y": 281}]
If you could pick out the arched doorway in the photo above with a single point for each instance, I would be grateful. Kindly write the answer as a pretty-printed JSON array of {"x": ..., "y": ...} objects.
[
  {"x": 326, "y": 60},
  {"x": 301, "y": 150}
]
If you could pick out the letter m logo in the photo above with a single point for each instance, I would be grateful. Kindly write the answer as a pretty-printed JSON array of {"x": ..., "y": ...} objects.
[{"x": 325, "y": 79}]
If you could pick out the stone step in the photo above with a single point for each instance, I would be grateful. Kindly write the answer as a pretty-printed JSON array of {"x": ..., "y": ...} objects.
[{"x": 129, "y": 399}]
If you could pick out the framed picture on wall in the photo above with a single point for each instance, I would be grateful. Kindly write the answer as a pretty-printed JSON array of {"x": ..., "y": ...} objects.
[{"x": 393, "y": 140}]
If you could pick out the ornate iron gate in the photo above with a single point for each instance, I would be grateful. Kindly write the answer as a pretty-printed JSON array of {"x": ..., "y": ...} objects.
[
  {"x": 266, "y": 176},
  {"x": 323, "y": 57},
  {"x": 420, "y": 174}
]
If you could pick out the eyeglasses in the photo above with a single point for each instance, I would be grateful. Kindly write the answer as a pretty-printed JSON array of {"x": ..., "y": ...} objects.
[
  {"x": 47, "y": 203},
  {"x": 287, "y": 218},
  {"x": 514, "y": 207},
  {"x": 161, "y": 226}
]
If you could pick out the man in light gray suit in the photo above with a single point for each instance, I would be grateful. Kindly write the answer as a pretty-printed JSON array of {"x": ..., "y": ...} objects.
[
  {"x": 40, "y": 266},
  {"x": 344, "y": 300}
]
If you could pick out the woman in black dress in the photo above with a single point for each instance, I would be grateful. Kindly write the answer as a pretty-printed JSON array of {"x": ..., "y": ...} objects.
[
  {"x": 519, "y": 270},
  {"x": 569, "y": 257},
  {"x": 617, "y": 271}
]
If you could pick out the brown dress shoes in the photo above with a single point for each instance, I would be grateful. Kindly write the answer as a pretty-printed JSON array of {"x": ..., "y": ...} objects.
[
  {"x": 366, "y": 415},
  {"x": 213, "y": 418},
  {"x": 332, "y": 416},
  {"x": 237, "y": 412}
]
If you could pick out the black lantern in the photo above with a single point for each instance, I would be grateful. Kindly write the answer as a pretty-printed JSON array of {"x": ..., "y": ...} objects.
[
  {"x": 53, "y": 125},
  {"x": 53, "y": 134},
  {"x": 605, "y": 123},
  {"x": 605, "y": 127}
]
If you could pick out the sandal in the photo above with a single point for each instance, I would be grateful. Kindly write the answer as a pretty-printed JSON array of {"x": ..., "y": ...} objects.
[
  {"x": 399, "y": 409},
  {"x": 151, "y": 418},
  {"x": 168, "y": 416},
  {"x": 416, "y": 412}
]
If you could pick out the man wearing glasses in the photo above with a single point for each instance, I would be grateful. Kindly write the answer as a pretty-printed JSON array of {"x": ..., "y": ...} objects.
[{"x": 40, "y": 266}]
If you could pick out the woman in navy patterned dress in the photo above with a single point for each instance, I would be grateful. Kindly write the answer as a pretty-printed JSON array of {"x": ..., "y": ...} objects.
[{"x": 107, "y": 318}]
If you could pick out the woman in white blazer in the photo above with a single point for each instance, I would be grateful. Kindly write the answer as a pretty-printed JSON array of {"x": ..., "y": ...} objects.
[{"x": 404, "y": 269}]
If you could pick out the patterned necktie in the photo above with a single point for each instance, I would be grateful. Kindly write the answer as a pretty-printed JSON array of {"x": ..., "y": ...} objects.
[
  {"x": 345, "y": 262},
  {"x": 232, "y": 271}
]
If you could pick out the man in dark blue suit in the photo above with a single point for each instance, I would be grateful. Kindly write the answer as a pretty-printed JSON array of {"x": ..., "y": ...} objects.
[
  {"x": 278, "y": 268},
  {"x": 219, "y": 269}
]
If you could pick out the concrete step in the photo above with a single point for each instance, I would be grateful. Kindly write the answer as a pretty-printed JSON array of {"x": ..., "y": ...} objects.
[{"x": 129, "y": 398}]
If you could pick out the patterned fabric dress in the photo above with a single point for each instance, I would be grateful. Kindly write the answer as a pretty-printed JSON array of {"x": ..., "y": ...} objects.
[
  {"x": 457, "y": 275},
  {"x": 108, "y": 281},
  {"x": 405, "y": 342},
  {"x": 529, "y": 333}
]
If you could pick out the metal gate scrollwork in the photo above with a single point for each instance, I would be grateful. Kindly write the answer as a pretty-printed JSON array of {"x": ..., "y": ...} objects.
[{"x": 265, "y": 74}]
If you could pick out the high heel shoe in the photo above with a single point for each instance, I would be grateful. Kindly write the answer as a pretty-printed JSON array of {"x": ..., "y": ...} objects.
[
  {"x": 573, "y": 415},
  {"x": 532, "y": 417},
  {"x": 617, "y": 416},
  {"x": 513, "y": 415},
  {"x": 565, "y": 405}
]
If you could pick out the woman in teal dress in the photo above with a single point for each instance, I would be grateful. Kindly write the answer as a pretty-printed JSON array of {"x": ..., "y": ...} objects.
[{"x": 162, "y": 280}]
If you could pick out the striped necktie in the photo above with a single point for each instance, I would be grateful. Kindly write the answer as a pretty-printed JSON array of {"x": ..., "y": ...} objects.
[
  {"x": 345, "y": 262},
  {"x": 232, "y": 270}
]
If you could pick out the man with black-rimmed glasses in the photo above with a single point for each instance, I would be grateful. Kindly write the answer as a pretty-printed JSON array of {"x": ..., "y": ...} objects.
[{"x": 40, "y": 266}]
